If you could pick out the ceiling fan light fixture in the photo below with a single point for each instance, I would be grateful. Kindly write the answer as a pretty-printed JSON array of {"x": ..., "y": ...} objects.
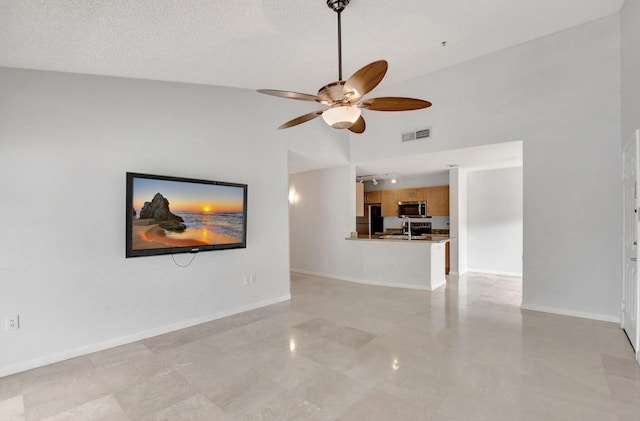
[
  {"x": 341, "y": 117},
  {"x": 343, "y": 96}
]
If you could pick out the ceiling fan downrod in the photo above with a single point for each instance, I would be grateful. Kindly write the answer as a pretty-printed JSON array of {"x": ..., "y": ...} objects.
[{"x": 338, "y": 6}]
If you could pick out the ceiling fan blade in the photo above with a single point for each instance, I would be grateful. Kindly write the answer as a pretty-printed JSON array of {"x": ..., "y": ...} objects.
[
  {"x": 392, "y": 103},
  {"x": 289, "y": 94},
  {"x": 301, "y": 119},
  {"x": 358, "y": 126},
  {"x": 365, "y": 79}
]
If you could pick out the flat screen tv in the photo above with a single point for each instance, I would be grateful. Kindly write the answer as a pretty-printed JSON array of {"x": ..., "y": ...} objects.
[{"x": 167, "y": 215}]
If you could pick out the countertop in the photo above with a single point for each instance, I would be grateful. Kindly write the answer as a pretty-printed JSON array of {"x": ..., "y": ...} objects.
[{"x": 428, "y": 238}]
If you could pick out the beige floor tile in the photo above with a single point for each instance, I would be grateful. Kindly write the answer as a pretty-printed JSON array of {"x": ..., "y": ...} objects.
[
  {"x": 150, "y": 395},
  {"x": 625, "y": 390},
  {"x": 613, "y": 341},
  {"x": 318, "y": 327},
  {"x": 351, "y": 337},
  {"x": 121, "y": 375},
  {"x": 55, "y": 373},
  {"x": 329, "y": 354},
  {"x": 290, "y": 405},
  {"x": 120, "y": 355},
  {"x": 246, "y": 394},
  {"x": 291, "y": 372},
  {"x": 346, "y": 351},
  {"x": 67, "y": 393},
  {"x": 12, "y": 409},
  {"x": 621, "y": 367},
  {"x": 332, "y": 391},
  {"x": 378, "y": 405},
  {"x": 195, "y": 408},
  {"x": 102, "y": 409},
  {"x": 10, "y": 386}
]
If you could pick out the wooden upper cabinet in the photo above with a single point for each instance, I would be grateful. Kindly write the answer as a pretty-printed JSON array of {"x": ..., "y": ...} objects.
[
  {"x": 437, "y": 201},
  {"x": 412, "y": 195},
  {"x": 389, "y": 201},
  {"x": 372, "y": 197},
  {"x": 359, "y": 199}
]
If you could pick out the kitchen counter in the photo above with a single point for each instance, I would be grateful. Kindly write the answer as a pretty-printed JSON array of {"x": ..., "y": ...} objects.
[
  {"x": 397, "y": 261},
  {"x": 403, "y": 238}
]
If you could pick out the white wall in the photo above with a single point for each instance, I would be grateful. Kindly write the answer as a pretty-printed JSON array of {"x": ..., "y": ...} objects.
[
  {"x": 320, "y": 220},
  {"x": 494, "y": 221},
  {"x": 543, "y": 93},
  {"x": 630, "y": 69},
  {"x": 458, "y": 217},
  {"x": 561, "y": 95},
  {"x": 66, "y": 142}
]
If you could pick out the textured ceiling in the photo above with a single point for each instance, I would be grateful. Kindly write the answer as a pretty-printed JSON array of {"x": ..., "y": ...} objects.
[
  {"x": 271, "y": 44},
  {"x": 289, "y": 45}
]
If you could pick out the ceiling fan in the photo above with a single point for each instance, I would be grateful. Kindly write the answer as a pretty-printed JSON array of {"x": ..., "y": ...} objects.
[{"x": 344, "y": 98}]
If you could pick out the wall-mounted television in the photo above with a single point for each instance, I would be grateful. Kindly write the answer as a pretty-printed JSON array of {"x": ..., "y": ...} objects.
[{"x": 167, "y": 215}]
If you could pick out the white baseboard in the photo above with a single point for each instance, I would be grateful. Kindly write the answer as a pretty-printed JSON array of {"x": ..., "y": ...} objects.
[
  {"x": 496, "y": 272},
  {"x": 365, "y": 281},
  {"x": 324, "y": 275},
  {"x": 111, "y": 343},
  {"x": 564, "y": 312}
]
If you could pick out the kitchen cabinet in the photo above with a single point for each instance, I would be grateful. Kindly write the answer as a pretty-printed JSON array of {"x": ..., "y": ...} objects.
[
  {"x": 447, "y": 258},
  {"x": 437, "y": 201},
  {"x": 372, "y": 197},
  {"x": 412, "y": 195},
  {"x": 359, "y": 199},
  {"x": 389, "y": 201}
]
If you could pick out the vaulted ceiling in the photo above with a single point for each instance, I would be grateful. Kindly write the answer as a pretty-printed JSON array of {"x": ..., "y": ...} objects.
[
  {"x": 271, "y": 44},
  {"x": 290, "y": 45}
]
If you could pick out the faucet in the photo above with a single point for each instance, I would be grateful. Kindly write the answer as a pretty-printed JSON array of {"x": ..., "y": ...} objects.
[{"x": 408, "y": 222}]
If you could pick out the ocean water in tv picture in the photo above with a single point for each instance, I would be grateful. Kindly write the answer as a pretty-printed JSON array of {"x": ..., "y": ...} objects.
[{"x": 181, "y": 214}]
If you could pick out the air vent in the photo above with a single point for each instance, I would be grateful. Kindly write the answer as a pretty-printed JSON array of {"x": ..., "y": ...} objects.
[
  {"x": 408, "y": 136},
  {"x": 420, "y": 134}
]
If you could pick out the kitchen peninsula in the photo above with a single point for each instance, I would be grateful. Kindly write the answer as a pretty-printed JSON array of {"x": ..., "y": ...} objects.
[{"x": 396, "y": 261}]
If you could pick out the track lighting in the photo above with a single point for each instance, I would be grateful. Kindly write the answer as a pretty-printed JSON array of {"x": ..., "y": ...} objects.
[{"x": 375, "y": 182}]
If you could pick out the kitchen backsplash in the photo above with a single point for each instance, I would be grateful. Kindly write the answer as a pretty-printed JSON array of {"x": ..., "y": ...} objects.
[{"x": 437, "y": 222}]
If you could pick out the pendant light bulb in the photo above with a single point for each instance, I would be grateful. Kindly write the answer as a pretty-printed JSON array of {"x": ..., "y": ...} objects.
[{"x": 341, "y": 117}]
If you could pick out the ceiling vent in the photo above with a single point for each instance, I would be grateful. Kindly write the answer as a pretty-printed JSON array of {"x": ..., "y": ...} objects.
[{"x": 420, "y": 134}]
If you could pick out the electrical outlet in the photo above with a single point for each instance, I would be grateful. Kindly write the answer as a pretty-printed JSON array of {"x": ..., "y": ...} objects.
[
  {"x": 252, "y": 279},
  {"x": 247, "y": 280},
  {"x": 13, "y": 322}
]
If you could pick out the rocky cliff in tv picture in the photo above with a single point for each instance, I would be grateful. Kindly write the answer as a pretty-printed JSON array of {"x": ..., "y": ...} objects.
[{"x": 167, "y": 215}]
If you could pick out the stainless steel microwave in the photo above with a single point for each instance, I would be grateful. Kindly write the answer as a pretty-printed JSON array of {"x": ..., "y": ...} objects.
[{"x": 412, "y": 209}]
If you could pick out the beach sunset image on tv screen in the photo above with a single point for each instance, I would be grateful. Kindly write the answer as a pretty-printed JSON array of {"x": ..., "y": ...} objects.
[{"x": 173, "y": 215}]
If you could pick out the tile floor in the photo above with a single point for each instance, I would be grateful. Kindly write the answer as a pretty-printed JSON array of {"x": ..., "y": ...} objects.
[{"x": 344, "y": 351}]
